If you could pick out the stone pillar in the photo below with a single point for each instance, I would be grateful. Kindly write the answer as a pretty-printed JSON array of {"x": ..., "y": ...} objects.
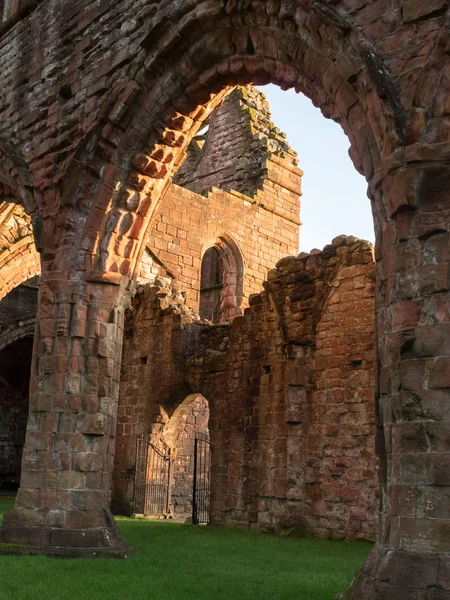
[
  {"x": 62, "y": 507},
  {"x": 412, "y": 558}
]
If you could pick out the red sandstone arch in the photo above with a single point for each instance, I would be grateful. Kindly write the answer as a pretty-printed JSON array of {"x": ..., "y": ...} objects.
[
  {"x": 20, "y": 265},
  {"x": 179, "y": 436},
  {"x": 399, "y": 141},
  {"x": 338, "y": 68},
  {"x": 26, "y": 330},
  {"x": 170, "y": 430},
  {"x": 19, "y": 259}
]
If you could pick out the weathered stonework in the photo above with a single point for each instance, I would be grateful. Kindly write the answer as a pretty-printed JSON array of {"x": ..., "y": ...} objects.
[
  {"x": 251, "y": 230},
  {"x": 99, "y": 103}
]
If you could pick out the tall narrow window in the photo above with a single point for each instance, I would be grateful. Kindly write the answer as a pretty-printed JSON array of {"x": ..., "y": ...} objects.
[
  {"x": 221, "y": 281},
  {"x": 211, "y": 286}
]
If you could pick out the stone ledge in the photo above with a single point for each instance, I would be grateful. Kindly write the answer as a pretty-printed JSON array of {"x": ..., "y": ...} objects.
[{"x": 108, "y": 542}]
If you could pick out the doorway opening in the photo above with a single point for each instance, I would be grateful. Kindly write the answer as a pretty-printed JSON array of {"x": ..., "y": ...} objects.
[
  {"x": 17, "y": 322},
  {"x": 172, "y": 478},
  {"x": 15, "y": 365}
]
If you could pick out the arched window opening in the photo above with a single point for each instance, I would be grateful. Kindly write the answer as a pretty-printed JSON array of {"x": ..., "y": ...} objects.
[
  {"x": 211, "y": 286},
  {"x": 221, "y": 281}
]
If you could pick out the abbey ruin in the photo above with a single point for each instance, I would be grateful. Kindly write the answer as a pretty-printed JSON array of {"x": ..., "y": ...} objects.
[{"x": 154, "y": 295}]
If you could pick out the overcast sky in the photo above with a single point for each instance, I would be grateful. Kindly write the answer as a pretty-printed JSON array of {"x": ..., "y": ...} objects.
[{"x": 334, "y": 197}]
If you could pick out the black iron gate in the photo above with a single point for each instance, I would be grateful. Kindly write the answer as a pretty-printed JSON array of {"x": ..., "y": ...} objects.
[
  {"x": 201, "y": 485},
  {"x": 152, "y": 479}
]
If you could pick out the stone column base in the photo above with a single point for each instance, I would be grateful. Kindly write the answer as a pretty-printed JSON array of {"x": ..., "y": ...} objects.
[
  {"x": 395, "y": 574},
  {"x": 104, "y": 541}
]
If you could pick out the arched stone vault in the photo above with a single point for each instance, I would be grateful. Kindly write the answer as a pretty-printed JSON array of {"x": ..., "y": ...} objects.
[
  {"x": 19, "y": 259},
  {"x": 258, "y": 45},
  {"x": 382, "y": 72}
]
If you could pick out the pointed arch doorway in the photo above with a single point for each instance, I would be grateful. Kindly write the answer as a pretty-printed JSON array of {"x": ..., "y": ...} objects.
[{"x": 173, "y": 466}]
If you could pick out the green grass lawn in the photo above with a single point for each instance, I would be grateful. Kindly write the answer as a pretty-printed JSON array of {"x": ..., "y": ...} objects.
[{"x": 178, "y": 562}]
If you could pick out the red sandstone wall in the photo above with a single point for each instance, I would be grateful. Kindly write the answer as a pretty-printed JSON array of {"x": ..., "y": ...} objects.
[
  {"x": 290, "y": 390},
  {"x": 341, "y": 475},
  {"x": 251, "y": 188},
  {"x": 158, "y": 341},
  {"x": 188, "y": 224},
  {"x": 293, "y": 436},
  {"x": 238, "y": 152}
]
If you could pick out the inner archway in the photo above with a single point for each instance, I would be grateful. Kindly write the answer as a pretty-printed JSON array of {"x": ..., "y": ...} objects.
[
  {"x": 188, "y": 424},
  {"x": 172, "y": 470},
  {"x": 17, "y": 324}
]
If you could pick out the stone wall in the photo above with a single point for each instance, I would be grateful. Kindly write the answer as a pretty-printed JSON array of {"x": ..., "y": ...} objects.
[
  {"x": 342, "y": 476},
  {"x": 293, "y": 436},
  {"x": 250, "y": 232},
  {"x": 240, "y": 152},
  {"x": 160, "y": 335},
  {"x": 183, "y": 229},
  {"x": 290, "y": 387},
  {"x": 251, "y": 187}
]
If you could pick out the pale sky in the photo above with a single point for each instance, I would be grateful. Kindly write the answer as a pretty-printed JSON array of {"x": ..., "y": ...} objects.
[{"x": 334, "y": 197}]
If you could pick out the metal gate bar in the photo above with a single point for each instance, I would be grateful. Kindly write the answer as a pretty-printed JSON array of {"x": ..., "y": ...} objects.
[
  {"x": 201, "y": 483},
  {"x": 152, "y": 479}
]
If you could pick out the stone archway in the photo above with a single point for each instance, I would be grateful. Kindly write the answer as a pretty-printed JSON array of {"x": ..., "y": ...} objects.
[
  {"x": 392, "y": 103},
  {"x": 380, "y": 128},
  {"x": 189, "y": 419},
  {"x": 19, "y": 259}
]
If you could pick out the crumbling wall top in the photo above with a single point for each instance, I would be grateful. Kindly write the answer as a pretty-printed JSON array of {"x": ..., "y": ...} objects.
[{"x": 233, "y": 153}]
